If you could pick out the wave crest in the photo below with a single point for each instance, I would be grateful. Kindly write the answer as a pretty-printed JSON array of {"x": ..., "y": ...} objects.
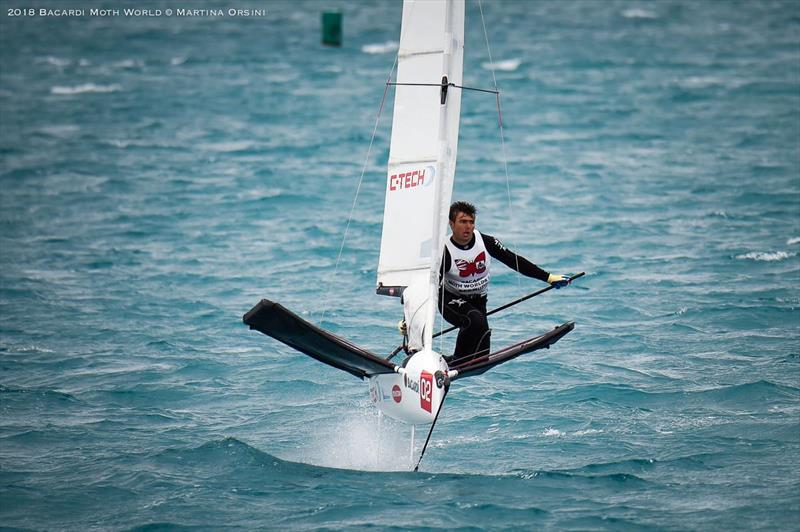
[
  {"x": 508, "y": 65},
  {"x": 765, "y": 256},
  {"x": 380, "y": 48},
  {"x": 86, "y": 88}
]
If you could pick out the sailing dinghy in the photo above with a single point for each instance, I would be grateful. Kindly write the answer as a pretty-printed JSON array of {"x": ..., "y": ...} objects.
[{"x": 419, "y": 184}]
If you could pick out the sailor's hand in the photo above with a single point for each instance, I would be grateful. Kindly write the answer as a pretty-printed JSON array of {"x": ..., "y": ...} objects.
[
  {"x": 401, "y": 326},
  {"x": 558, "y": 281}
]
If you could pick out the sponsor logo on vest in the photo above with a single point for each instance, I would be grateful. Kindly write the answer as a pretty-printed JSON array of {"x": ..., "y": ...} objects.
[
  {"x": 397, "y": 393},
  {"x": 411, "y": 179},
  {"x": 473, "y": 267},
  {"x": 425, "y": 391}
]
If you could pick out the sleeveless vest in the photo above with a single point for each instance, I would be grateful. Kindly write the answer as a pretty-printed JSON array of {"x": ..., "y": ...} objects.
[{"x": 469, "y": 268}]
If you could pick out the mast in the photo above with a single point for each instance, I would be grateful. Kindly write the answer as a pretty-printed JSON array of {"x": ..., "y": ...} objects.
[{"x": 423, "y": 150}]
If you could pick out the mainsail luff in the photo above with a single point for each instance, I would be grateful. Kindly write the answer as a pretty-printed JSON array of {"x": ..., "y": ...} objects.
[
  {"x": 424, "y": 145},
  {"x": 452, "y": 62}
]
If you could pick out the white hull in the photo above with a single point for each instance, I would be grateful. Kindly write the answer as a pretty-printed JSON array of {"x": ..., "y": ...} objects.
[{"x": 412, "y": 395}]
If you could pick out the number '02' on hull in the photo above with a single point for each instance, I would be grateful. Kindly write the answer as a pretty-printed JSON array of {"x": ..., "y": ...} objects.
[{"x": 414, "y": 395}]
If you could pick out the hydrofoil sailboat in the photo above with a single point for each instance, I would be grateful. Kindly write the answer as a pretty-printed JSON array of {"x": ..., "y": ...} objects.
[{"x": 419, "y": 184}]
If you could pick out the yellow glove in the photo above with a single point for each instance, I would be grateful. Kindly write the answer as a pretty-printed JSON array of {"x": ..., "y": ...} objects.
[{"x": 558, "y": 281}]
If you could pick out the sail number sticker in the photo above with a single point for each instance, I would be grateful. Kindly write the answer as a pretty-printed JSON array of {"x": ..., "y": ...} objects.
[{"x": 425, "y": 390}]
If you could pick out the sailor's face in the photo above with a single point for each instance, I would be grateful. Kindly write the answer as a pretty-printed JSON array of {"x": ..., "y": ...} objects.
[{"x": 462, "y": 228}]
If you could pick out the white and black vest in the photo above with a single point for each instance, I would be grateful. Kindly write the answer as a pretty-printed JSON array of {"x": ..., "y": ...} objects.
[{"x": 469, "y": 268}]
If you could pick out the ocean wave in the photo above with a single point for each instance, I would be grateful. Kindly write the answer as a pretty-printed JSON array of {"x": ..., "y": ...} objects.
[
  {"x": 588, "y": 432},
  {"x": 229, "y": 147},
  {"x": 59, "y": 131},
  {"x": 230, "y": 454},
  {"x": 55, "y": 61},
  {"x": 765, "y": 256},
  {"x": 86, "y": 88},
  {"x": 551, "y": 432},
  {"x": 507, "y": 65},
  {"x": 380, "y": 48},
  {"x": 128, "y": 64},
  {"x": 793, "y": 241},
  {"x": 609, "y": 478},
  {"x": 639, "y": 13},
  {"x": 761, "y": 392},
  {"x": 24, "y": 348},
  {"x": 40, "y": 394},
  {"x": 703, "y": 82}
]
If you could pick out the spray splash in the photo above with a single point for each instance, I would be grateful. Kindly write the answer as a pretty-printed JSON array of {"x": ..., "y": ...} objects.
[{"x": 366, "y": 440}]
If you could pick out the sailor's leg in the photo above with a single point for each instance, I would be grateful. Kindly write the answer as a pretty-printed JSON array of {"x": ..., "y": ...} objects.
[
  {"x": 469, "y": 315},
  {"x": 484, "y": 344},
  {"x": 474, "y": 338},
  {"x": 479, "y": 342}
]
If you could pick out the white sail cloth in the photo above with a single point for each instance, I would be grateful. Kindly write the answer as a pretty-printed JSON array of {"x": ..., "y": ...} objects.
[{"x": 422, "y": 155}]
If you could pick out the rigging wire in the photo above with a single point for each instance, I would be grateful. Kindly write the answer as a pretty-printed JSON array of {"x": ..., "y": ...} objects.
[
  {"x": 366, "y": 161},
  {"x": 496, "y": 92},
  {"x": 360, "y": 181},
  {"x": 388, "y": 84},
  {"x": 502, "y": 135}
]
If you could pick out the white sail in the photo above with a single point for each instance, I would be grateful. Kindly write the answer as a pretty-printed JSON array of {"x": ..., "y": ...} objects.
[{"x": 422, "y": 156}]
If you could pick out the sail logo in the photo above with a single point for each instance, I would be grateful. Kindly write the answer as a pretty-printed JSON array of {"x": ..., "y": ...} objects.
[
  {"x": 411, "y": 179},
  {"x": 474, "y": 267},
  {"x": 425, "y": 391}
]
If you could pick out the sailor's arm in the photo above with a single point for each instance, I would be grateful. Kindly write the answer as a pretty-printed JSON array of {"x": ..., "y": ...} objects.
[{"x": 518, "y": 263}]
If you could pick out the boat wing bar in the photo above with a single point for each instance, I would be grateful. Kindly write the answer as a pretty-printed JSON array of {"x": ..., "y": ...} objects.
[
  {"x": 481, "y": 365},
  {"x": 277, "y": 321}
]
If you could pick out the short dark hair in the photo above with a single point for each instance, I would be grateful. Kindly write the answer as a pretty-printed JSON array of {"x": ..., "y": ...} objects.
[{"x": 461, "y": 206}]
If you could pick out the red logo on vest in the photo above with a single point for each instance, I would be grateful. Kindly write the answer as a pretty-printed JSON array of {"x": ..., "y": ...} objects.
[{"x": 467, "y": 268}]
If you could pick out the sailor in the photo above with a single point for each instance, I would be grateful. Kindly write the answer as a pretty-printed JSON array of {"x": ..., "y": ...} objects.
[{"x": 464, "y": 280}]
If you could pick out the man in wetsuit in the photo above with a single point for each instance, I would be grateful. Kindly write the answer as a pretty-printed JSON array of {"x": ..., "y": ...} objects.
[{"x": 464, "y": 280}]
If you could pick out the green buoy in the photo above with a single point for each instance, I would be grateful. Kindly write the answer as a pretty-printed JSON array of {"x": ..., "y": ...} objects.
[{"x": 332, "y": 28}]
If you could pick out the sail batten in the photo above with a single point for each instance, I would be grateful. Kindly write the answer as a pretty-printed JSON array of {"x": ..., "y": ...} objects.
[
  {"x": 422, "y": 160},
  {"x": 405, "y": 55}
]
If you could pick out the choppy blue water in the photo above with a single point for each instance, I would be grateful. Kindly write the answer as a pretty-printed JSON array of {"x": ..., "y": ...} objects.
[{"x": 162, "y": 174}]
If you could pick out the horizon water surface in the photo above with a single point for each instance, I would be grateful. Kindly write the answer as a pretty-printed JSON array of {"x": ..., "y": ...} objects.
[{"x": 162, "y": 174}]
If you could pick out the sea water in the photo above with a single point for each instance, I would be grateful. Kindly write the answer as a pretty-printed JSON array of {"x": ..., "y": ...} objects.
[{"x": 161, "y": 173}]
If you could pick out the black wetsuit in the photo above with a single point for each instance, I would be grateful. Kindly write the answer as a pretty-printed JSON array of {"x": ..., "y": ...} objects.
[{"x": 468, "y": 312}]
